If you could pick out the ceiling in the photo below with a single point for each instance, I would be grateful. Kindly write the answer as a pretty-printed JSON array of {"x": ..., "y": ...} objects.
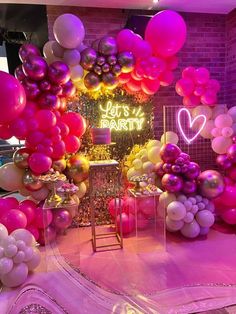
[{"x": 201, "y": 6}]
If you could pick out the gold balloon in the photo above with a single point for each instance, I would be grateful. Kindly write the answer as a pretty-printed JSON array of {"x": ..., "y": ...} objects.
[
  {"x": 31, "y": 182},
  {"x": 20, "y": 158},
  {"x": 59, "y": 165},
  {"x": 77, "y": 168}
]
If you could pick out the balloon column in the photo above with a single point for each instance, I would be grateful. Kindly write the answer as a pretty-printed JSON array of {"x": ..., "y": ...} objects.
[
  {"x": 196, "y": 87},
  {"x": 18, "y": 256}
]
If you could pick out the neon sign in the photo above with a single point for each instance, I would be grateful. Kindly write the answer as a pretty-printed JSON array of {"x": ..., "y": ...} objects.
[
  {"x": 180, "y": 119},
  {"x": 121, "y": 117}
]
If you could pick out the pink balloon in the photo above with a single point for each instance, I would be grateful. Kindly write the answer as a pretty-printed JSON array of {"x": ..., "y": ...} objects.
[
  {"x": 48, "y": 101},
  {"x": 72, "y": 143},
  {"x": 125, "y": 40},
  {"x": 62, "y": 219},
  {"x": 27, "y": 50},
  {"x": 34, "y": 138},
  {"x": 124, "y": 78},
  {"x": 34, "y": 231},
  {"x": 64, "y": 128},
  {"x": 127, "y": 222},
  {"x": 28, "y": 207},
  {"x": 189, "y": 73},
  {"x": 199, "y": 90},
  {"x": 46, "y": 119},
  {"x": 6, "y": 204},
  {"x": 147, "y": 206},
  {"x": 202, "y": 75},
  {"x": 172, "y": 62},
  {"x": 19, "y": 128},
  {"x": 141, "y": 49},
  {"x": 231, "y": 173},
  {"x": 58, "y": 73},
  {"x": 30, "y": 110},
  {"x": 229, "y": 216},
  {"x": 129, "y": 205},
  {"x": 59, "y": 150},
  {"x": 39, "y": 163},
  {"x": 213, "y": 85},
  {"x": 75, "y": 122},
  {"x": 169, "y": 152},
  {"x": 166, "y": 32},
  {"x": 150, "y": 87},
  {"x": 166, "y": 78},
  {"x": 5, "y": 132},
  {"x": 43, "y": 217},
  {"x": 191, "y": 101},
  {"x": 227, "y": 198},
  {"x": 184, "y": 87},
  {"x": 209, "y": 98},
  {"x": 13, "y": 98},
  {"x": 14, "y": 219},
  {"x": 41, "y": 194},
  {"x": 133, "y": 85},
  {"x": 114, "y": 206},
  {"x": 35, "y": 67},
  {"x": 142, "y": 221}
]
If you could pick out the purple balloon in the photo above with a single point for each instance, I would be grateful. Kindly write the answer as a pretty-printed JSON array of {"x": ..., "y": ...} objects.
[
  {"x": 112, "y": 60},
  {"x": 27, "y": 50},
  {"x": 180, "y": 161},
  {"x": 211, "y": 183},
  {"x": 184, "y": 168},
  {"x": 105, "y": 68},
  {"x": 176, "y": 169},
  {"x": 126, "y": 61},
  {"x": 48, "y": 101},
  {"x": 169, "y": 152},
  {"x": 100, "y": 60},
  {"x": 167, "y": 167},
  {"x": 116, "y": 69},
  {"x": 159, "y": 169},
  {"x": 223, "y": 162},
  {"x": 88, "y": 58},
  {"x": 107, "y": 46},
  {"x": 58, "y": 73},
  {"x": 231, "y": 153},
  {"x": 35, "y": 67},
  {"x": 56, "y": 90},
  {"x": 31, "y": 89},
  {"x": 185, "y": 156},
  {"x": 44, "y": 85},
  {"x": 172, "y": 183},
  {"x": 62, "y": 219},
  {"x": 193, "y": 171},
  {"x": 68, "y": 89},
  {"x": 189, "y": 187},
  {"x": 19, "y": 74}
]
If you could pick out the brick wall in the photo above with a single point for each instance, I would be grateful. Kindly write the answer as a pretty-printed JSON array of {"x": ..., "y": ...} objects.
[{"x": 205, "y": 46}]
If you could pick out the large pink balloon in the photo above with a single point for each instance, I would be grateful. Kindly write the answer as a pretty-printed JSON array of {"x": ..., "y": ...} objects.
[
  {"x": 166, "y": 32},
  {"x": 6, "y": 204},
  {"x": 184, "y": 87},
  {"x": 229, "y": 216},
  {"x": 72, "y": 143},
  {"x": 114, "y": 206},
  {"x": 28, "y": 207},
  {"x": 39, "y": 163},
  {"x": 14, "y": 219},
  {"x": 75, "y": 122},
  {"x": 46, "y": 119},
  {"x": 12, "y": 97},
  {"x": 127, "y": 222},
  {"x": 11, "y": 177},
  {"x": 125, "y": 40}
]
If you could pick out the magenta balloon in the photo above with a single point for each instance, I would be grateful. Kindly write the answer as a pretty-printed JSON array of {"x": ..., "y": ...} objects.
[
  {"x": 35, "y": 68},
  {"x": 193, "y": 171},
  {"x": 209, "y": 98},
  {"x": 32, "y": 124},
  {"x": 31, "y": 89},
  {"x": 58, "y": 73},
  {"x": 34, "y": 138},
  {"x": 68, "y": 89},
  {"x": 211, "y": 183},
  {"x": 56, "y": 90},
  {"x": 40, "y": 163},
  {"x": 30, "y": 110},
  {"x": 46, "y": 119},
  {"x": 166, "y": 33},
  {"x": 191, "y": 101},
  {"x": 14, "y": 219},
  {"x": 159, "y": 169},
  {"x": 125, "y": 40},
  {"x": 27, "y": 50},
  {"x": 43, "y": 217},
  {"x": 5, "y": 132},
  {"x": 59, "y": 150},
  {"x": 184, "y": 87},
  {"x": 142, "y": 49},
  {"x": 189, "y": 73},
  {"x": 133, "y": 86},
  {"x": 48, "y": 101},
  {"x": 169, "y": 152},
  {"x": 229, "y": 216},
  {"x": 213, "y": 85},
  {"x": 150, "y": 87},
  {"x": 6, "y": 204},
  {"x": 201, "y": 76},
  {"x": 231, "y": 172},
  {"x": 75, "y": 122},
  {"x": 62, "y": 219},
  {"x": 189, "y": 187},
  {"x": 72, "y": 144},
  {"x": 28, "y": 207},
  {"x": 19, "y": 128},
  {"x": 166, "y": 78},
  {"x": 44, "y": 85},
  {"x": 19, "y": 74},
  {"x": 47, "y": 235},
  {"x": 64, "y": 128},
  {"x": 127, "y": 222},
  {"x": 46, "y": 150},
  {"x": 172, "y": 183},
  {"x": 167, "y": 167},
  {"x": 231, "y": 153},
  {"x": 223, "y": 162},
  {"x": 12, "y": 98},
  {"x": 115, "y": 206}
]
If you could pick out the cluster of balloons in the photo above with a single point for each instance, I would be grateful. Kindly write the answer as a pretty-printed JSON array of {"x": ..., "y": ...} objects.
[
  {"x": 196, "y": 87},
  {"x": 191, "y": 215},
  {"x": 176, "y": 170},
  {"x": 69, "y": 33},
  {"x": 155, "y": 57},
  {"x": 144, "y": 160},
  {"x": 135, "y": 213},
  {"x": 18, "y": 256}
]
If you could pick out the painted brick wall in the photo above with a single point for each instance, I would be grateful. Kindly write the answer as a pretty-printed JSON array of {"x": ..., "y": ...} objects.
[{"x": 205, "y": 46}]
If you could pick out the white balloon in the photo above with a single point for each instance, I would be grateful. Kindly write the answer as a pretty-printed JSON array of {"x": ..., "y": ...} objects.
[
  {"x": 182, "y": 198},
  {"x": 58, "y": 50},
  {"x": 47, "y": 49},
  {"x": 154, "y": 154},
  {"x": 143, "y": 152},
  {"x": 194, "y": 209},
  {"x": 11, "y": 250},
  {"x": 232, "y": 113},
  {"x": 148, "y": 167},
  {"x": 16, "y": 276},
  {"x": 19, "y": 257},
  {"x": 76, "y": 73},
  {"x": 189, "y": 217},
  {"x": 21, "y": 245},
  {"x": 7, "y": 241},
  {"x": 1, "y": 251},
  {"x": 166, "y": 198},
  {"x": 24, "y": 235},
  {"x": 176, "y": 210},
  {"x": 82, "y": 190},
  {"x": 137, "y": 164},
  {"x": 173, "y": 225},
  {"x": 205, "y": 218},
  {"x": 191, "y": 230},
  {"x": 169, "y": 137},
  {"x": 28, "y": 254},
  {"x": 35, "y": 260},
  {"x": 219, "y": 109},
  {"x": 3, "y": 232},
  {"x": 223, "y": 120},
  {"x": 144, "y": 157},
  {"x": 221, "y": 144},
  {"x": 153, "y": 143},
  {"x": 132, "y": 172},
  {"x": 71, "y": 57},
  {"x": 227, "y": 131},
  {"x": 6, "y": 265}
]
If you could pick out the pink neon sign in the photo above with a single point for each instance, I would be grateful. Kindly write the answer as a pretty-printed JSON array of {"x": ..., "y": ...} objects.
[{"x": 180, "y": 116}]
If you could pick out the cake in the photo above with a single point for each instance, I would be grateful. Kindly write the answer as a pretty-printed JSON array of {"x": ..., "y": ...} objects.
[{"x": 101, "y": 136}]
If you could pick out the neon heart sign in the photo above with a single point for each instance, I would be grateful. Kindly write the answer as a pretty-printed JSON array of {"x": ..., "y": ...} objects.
[{"x": 180, "y": 115}]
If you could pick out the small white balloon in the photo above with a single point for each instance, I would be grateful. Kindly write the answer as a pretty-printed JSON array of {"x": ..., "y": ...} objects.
[
  {"x": 144, "y": 158},
  {"x": 6, "y": 265},
  {"x": 169, "y": 137},
  {"x": 11, "y": 250},
  {"x": 19, "y": 257},
  {"x": 188, "y": 205},
  {"x": 21, "y": 245},
  {"x": 153, "y": 143},
  {"x": 173, "y": 225},
  {"x": 192, "y": 200},
  {"x": 205, "y": 218},
  {"x": 71, "y": 57},
  {"x": 210, "y": 206},
  {"x": 16, "y": 276},
  {"x": 28, "y": 254},
  {"x": 219, "y": 109},
  {"x": 35, "y": 260},
  {"x": 148, "y": 167},
  {"x": 154, "y": 154},
  {"x": 181, "y": 198},
  {"x": 207, "y": 130},
  {"x": 3, "y": 232},
  {"x": 194, "y": 209},
  {"x": 227, "y": 131},
  {"x": 82, "y": 190},
  {"x": 76, "y": 73},
  {"x": 201, "y": 205},
  {"x": 223, "y": 120},
  {"x": 176, "y": 210},
  {"x": 191, "y": 230},
  {"x": 221, "y": 144},
  {"x": 24, "y": 235},
  {"x": 198, "y": 198},
  {"x": 7, "y": 241},
  {"x": 215, "y": 132},
  {"x": 137, "y": 164},
  {"x": 232, "y": 113},
  {"x": 132, "y": 172},
  {"x": 189, "y": 217}
]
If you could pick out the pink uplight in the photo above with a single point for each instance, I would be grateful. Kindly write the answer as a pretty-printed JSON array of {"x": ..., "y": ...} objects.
[{"x": 190, "y": 124}]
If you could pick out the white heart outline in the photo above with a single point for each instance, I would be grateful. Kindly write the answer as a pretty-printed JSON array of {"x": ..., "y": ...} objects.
[{"x": 191, "y": 123}]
